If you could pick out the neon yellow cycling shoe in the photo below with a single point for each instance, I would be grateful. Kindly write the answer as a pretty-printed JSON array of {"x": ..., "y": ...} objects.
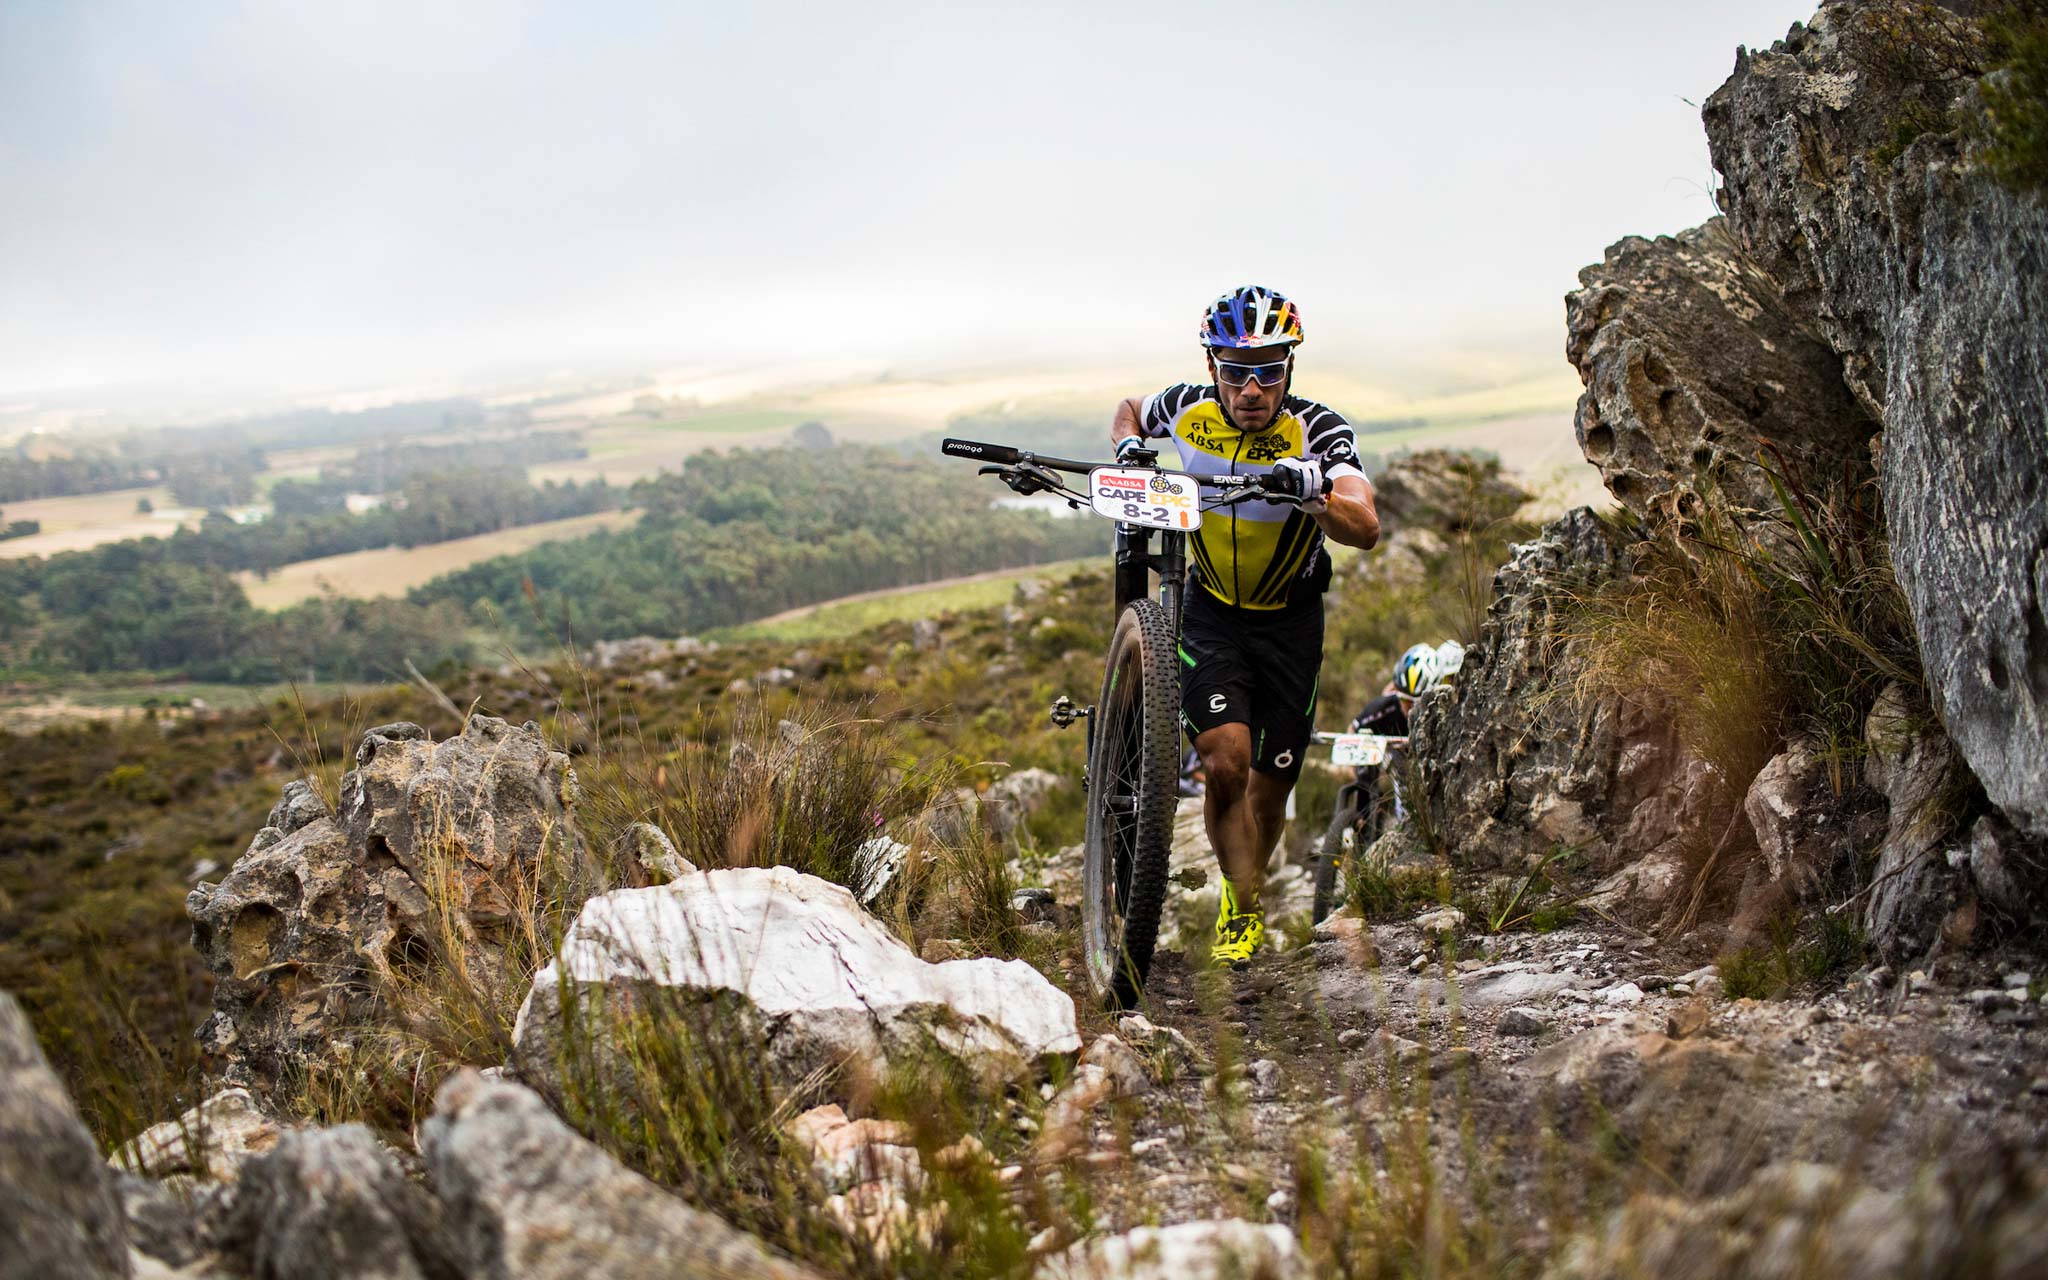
[{"x": 1238, "y": 932}]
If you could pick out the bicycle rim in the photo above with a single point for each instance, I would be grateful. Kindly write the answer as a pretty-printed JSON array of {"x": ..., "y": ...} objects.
[{"x": 1135, "y": 760}]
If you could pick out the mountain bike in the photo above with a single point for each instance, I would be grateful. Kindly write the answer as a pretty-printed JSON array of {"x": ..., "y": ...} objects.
[
  {"x": 1133, "y": 760},
  {"x": 1365, "y": 807}
]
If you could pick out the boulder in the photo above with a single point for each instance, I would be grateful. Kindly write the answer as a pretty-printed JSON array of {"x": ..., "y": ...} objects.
[
  {"x": 1221, "y": 1249},
  {"x": 1012, "y": 799},
  {"x": 648, "y": 846},
  {"x": 211, "y": 1141},
  {"x": 528, "y": 1197},
  {"x": 1694, "y": 369},
  {"x": 436, "y": 845},
  {"x": 333, "y": 1204},
  {"x": 790, "y": 961},
  {"x": 1788, "y": 806},
  {"x": 1927, "y": 277},
  {"x": 60, "y": 1213}
]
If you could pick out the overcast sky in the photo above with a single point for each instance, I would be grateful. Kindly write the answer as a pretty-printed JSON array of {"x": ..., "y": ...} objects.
[{"x": 210, "y": 193}]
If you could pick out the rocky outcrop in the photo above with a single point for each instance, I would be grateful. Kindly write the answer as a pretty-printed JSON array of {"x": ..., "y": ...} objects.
[
  {"x": 1514, "y": 763},
  {"x": 1445, "y": 492},
  {"x": 769, "y": 958},
  {"x": 60, "y": 1214},
  {"x": 528, "y": 1197},
  {"x": 1697, "y": 374},
  {"x": 1931, "y": 282},
  {"x": 433, "y": 851}
]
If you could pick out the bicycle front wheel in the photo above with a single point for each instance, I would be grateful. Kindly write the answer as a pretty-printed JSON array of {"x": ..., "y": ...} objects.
[
  {"x": 1332, "y": 854},
  {"x": 1134, "y": 761}
]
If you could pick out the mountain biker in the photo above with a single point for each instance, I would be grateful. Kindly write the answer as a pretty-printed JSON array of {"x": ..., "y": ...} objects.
[
  {"x": 1252, "y": 637},
  {"x": 1418, "y": 670}
]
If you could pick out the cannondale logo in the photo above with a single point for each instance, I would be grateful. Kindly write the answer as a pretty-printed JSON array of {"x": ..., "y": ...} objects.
[
  {"x": 1284, "y": 759},
  {"x": 1217, "y": 701}
]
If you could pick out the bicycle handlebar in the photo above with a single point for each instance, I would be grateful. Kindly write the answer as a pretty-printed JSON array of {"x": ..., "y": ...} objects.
[{"x": 1004, "y": 455}]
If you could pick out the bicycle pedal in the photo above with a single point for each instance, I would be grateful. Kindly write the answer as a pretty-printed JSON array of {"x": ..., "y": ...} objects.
[{"x": 1065, "y": 713}]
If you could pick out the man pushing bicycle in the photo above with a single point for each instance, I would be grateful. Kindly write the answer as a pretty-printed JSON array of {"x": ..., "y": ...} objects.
[{"x": 1251, "y": 645}]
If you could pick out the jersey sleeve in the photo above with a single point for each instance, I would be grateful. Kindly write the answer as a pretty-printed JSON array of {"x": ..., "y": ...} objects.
[
  {"x": 1156, "y": 416},
  {"x": 1328, "y": 439}
]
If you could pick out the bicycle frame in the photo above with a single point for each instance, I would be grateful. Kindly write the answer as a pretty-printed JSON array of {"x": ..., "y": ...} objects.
[{"x": 1136, "y": 562}]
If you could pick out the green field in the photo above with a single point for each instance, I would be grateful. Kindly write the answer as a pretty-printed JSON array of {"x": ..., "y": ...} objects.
[
  {"x": 29, "y": 706},
  {"x": 835, "y": 620}
]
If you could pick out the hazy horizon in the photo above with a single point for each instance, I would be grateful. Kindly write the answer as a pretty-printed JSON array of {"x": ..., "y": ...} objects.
[{"x": 225, "y": 196}]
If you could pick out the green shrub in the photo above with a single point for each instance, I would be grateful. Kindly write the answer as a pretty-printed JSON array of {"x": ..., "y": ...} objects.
[{"x": 2012, "y": 135}]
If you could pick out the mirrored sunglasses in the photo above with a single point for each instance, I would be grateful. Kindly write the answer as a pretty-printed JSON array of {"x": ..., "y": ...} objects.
[{"x": 1269, "y": 375}]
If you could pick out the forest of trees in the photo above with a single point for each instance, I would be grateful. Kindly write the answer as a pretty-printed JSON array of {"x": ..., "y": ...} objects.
[
  {"x": 736, "y": 537},
  {"x": 217, "y": 465},
  {"x": 218, "y": 472},
  {"x": 744, "y": 535},
  {"x": 382, "y": 468}
]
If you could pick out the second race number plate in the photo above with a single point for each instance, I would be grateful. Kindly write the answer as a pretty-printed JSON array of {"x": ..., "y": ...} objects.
[
  {"x": 1358, "y": 749},
  {"x": 1139, "y": 495}
]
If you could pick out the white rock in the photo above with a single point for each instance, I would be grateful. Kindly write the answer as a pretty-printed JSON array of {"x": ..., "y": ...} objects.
[
  {"x": 1126, "y": 1070},
  {"x": 1265, "y": 1074},
  {"x": 211, "y": 1140},
  {"x": 1442, "y": 920},
  {"x": 1385, "y": 1044},
  {"x": 1623, "y": 993},
  {"x": 1210, "y": 1250},
  {"x": 1166, "y": 1042},
  {"x": 876, "y": 863},
  {"x": 2018, "y": 978},
  {"x": 825, "y": 983}
]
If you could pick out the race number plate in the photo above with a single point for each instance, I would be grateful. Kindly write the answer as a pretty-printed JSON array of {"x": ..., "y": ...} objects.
[
  {"x": 1138, "y": 495},
  {"x": 1358, "y": 749}
]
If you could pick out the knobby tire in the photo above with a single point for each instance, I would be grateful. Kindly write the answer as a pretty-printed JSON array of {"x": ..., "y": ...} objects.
[
  {"x": 1133, "y": 767},
  {"x": 1330, "y": 853},
  {"x": 1361, "y": 808}
]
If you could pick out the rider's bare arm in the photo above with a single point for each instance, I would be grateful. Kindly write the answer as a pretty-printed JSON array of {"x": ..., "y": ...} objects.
[
  {"x": 1129, "y": 414},
  {"x": 1348, "y": 515}
]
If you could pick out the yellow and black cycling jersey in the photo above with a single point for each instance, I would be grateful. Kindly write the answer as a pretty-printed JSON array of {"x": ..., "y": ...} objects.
[{"x": 1255, "y": 555}]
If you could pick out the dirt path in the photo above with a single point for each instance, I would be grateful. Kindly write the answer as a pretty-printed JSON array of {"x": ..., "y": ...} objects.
[{"x": 1468, "y": 1069}]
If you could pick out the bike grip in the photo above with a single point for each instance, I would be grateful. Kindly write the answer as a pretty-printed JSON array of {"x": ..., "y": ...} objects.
[{"x": 999, "y": 453}]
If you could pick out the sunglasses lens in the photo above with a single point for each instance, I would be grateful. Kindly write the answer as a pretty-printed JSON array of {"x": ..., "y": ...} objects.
[{"x": 1269, "y": 375}]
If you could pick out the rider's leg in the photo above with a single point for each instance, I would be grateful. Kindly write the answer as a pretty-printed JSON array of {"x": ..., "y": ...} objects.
[
  {"x": 1229, "y": 810},
  {"x": 1245, "y": 809},
  {"x": 1267, "y": 797}
]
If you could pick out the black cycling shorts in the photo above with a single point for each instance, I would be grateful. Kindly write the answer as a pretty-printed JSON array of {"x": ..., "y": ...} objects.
[{"x": 1255, "y": 667}]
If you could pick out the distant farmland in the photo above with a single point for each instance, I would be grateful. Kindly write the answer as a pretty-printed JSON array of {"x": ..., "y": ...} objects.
[{"x": 392, "y": 571}]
